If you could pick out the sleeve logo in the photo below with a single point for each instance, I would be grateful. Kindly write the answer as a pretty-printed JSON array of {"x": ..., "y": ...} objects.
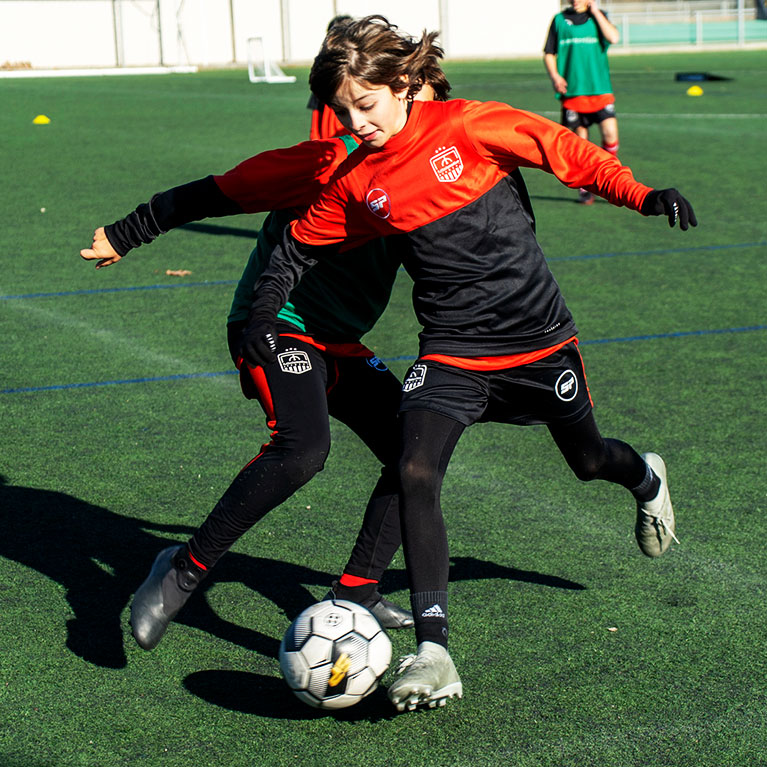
[
  {"x": 378, "y": 203},
  {"x": 447, "y": 164}
]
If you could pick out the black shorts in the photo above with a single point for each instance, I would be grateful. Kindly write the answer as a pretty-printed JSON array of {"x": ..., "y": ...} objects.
[
  {"x": 550, "y": 391},
  {"x": 572, "y": 119}
]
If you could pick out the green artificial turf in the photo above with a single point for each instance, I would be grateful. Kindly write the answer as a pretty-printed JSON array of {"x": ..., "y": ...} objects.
[{"x": 123, "y": 425}]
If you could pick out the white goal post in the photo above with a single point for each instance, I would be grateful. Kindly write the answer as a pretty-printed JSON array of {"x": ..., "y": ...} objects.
[{"x": 261, "y": 69}]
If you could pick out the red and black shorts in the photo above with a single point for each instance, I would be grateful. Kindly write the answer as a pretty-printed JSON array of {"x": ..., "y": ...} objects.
[
  {"x": 552, "y": 390},
  {"x": 572, "y": 119}
]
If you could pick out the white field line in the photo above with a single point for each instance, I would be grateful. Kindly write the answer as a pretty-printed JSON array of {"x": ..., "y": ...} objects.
[{"x": 110, "y": 338}]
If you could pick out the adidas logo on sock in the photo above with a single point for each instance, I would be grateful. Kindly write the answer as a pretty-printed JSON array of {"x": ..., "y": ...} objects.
[{"x": 435, "y": 611}]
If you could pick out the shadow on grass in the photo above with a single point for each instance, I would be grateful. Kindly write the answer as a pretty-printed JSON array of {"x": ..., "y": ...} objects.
[
  {"x": 270, "y": 697},
  {"x": 100, "y": 558},
  {"x": 232, "y": 231}
]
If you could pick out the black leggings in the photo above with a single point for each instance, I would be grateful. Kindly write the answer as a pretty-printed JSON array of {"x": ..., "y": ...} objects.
[{"x": 428, "y": 441}]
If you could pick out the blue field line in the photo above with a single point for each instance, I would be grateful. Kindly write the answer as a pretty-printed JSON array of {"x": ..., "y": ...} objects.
[
  {"x": 209, "y": 283},
  {"x": 588, "y": 256},
  {"x": 402, "y": 358}
]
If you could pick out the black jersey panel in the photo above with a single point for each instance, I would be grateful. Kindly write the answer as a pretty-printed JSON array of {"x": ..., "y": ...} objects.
[{"x": 482, "y": 285}]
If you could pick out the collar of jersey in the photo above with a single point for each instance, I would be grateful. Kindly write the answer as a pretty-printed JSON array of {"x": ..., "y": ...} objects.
[{"x": 577, "y": 17}]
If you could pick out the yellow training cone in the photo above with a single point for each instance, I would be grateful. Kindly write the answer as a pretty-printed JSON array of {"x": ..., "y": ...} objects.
[
  {"x": 41, "y": 120},
  {"x": 695, "y": 90}
]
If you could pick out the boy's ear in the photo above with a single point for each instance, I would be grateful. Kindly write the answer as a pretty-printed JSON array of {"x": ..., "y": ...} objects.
[{"x": 405, "y": 80}]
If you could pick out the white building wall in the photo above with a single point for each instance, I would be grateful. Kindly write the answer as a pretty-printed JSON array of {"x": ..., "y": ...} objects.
[{"x": 108, "y": 33}]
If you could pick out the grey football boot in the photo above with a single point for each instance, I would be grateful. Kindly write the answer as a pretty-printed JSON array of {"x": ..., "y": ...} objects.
[
  {"x": 389, "y": 615},
  {"x": 170, "y": 583},
  {"x": 428, "y": 679},
  {"x": 655, "y": 525}
]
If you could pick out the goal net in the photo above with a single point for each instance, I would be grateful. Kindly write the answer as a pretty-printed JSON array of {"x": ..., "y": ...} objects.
[{"x": 261, "y": 69}]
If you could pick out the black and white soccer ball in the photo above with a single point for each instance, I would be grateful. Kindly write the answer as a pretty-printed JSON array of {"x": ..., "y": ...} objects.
[{"x": 334, "y": 653}]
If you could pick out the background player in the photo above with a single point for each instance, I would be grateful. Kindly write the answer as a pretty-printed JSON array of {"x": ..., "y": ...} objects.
[{"x": 575, "y": 56}]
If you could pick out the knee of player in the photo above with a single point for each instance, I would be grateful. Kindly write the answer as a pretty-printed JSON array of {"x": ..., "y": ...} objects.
[
  {"x": 307, "y": 462},
  {"x": 301, "y": 459},
  {"x": 587, "y": 467},
  {"x": 414, "y": 474}
]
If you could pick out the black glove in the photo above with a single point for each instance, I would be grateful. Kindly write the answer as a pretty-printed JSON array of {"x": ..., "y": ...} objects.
[
  {"x": 259, "y": 340},
  {"x": 668, "y": 202}
]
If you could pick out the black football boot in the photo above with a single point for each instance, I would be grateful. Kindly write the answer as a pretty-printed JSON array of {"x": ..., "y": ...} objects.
[
  {"x": 170, "y": 583},
  {"x": 389, "y": 615}
]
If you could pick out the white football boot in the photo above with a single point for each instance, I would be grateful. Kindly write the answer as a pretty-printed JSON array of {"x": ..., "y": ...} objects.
[
  {"x": 428, "y": 679},
  {"x": 655, "y": 523}
]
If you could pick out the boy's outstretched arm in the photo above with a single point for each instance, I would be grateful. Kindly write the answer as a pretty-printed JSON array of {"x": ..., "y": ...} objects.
[{"x": 165, "y": 211}]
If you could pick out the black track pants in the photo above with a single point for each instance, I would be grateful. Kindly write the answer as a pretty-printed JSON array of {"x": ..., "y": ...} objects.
[{"x": 298, "y": 394}]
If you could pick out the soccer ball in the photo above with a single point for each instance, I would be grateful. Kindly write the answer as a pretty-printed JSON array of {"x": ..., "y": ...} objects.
[{"x": 334, "y": 653}]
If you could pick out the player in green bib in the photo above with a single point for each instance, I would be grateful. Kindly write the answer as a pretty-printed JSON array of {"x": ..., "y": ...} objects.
[{"x": 575, "y": 56}]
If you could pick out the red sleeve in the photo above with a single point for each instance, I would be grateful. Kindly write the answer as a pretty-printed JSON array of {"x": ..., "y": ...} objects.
[
  {"x": 326, "y": 222},
  {"x": 330, "y": 220},
  {"x": 283, "y": 178},
  {"x": 513, "y": 138}
]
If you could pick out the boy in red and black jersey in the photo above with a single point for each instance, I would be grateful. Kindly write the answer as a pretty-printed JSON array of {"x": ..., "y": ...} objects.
[{"x": 498, "y": 342}]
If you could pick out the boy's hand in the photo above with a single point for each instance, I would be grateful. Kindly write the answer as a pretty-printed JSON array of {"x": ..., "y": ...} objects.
[
  {"x": 560, "y": 84},
  {"x": 670, "y": 203},
  {"x": 258, "y": 346},
  {"x": 101, "y": 250}
]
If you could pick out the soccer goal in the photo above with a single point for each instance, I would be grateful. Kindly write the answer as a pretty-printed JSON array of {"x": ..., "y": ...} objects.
[{"x": 261, "y": 69}]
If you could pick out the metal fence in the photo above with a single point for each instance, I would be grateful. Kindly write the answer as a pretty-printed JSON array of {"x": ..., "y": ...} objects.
[{"x": 690, "y": 26}]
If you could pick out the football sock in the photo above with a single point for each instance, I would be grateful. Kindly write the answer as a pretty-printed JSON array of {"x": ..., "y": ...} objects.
[
  {"x": 430, "y": 616},
  {"x": 648, "y": 488},
  {"x": 611, "y": 148}
]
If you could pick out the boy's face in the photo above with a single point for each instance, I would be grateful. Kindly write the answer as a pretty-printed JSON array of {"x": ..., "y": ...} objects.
[
  {"x": 579, "y": 6},
  {"x": 373, "y": 113}
]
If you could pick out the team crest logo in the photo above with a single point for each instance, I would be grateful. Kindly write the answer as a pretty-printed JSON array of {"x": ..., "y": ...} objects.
[
  {"x": 415, "y": 378},
  {"x": 447, "y": 165},
  {"x": 566, "y": 386},
  {"x": 379, "y": 203},
  {"x": 294, "y": 361}
]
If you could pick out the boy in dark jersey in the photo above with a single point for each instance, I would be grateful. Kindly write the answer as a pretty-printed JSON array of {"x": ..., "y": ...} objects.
[
  {"x": 575, "y": 56},
  {"x": 498, "y": 342},
  {"x": 322, "y": 369}
]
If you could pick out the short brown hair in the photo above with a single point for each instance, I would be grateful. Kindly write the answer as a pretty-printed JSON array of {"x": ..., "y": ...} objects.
[{"x": 372, "y": 50}]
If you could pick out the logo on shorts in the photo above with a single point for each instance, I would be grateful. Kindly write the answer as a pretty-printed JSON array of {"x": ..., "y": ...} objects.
[
  {"x": 376, "y": 364},
  {"x": 379, "y": 203},
  {"x": 294, "y": 361},
  {"x": 415, "y": 378},
  {"x": 610, "y": 109},
  {"x": 566, "y": 386},
  {"x": 447, "y": 164}
]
